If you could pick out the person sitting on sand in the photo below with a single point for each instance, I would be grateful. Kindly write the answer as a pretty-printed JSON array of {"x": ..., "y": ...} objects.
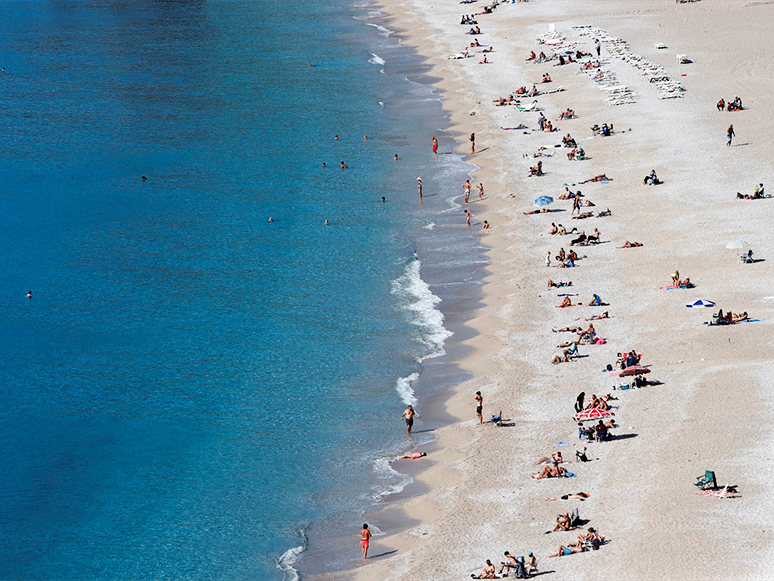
[
  {"x": 563, "y": 231},
  {"x": 676, "y": 279},
  {"x": 484, "y": 61},
  {"x": 576, "y": 496},
  {"x": 555, "y": 457},
  {"x": 510, "y": 563},
  {"x": 572, "y": 154},
  {"x": 552, "y": 284},
  {"x": 536, "y": 170},
  {"x": 596, "y": 317},
  {"x": 569, "y": 114},
  {"x": 563, "y": 551},
  {"x": 599, "y": 178},
  {"x": 595, "y": 302},
  {"x": 546, "y": 78},
  {"x": 567, "y": 194},
  {"x": 532, "y": 56},
  {"x": 533, "y": 91},
  {"x": 572, "y": 256},
  {"x": 488, "y": 572},
  {"x": 542, "y": 56},
  {"x": 552, "y": 470},
  {"x": 628, "y": 244},
  {"x": 592, "y": 536},
  {"x": 520, "y": 91},
  {"x": 566, "y": 302},
  {"x": 556, "y": 360},
  {"x": 590, "y": 332},
  {"x": 580, "y": 239},
  {"x": 413, "y": 456},
  {"x": 721, "y": 104},
  {"x": 549, "y": 128},
  {"x": 562, "y": 523},
  {"x": 593, "y": 237},
  {"x": 554, "y": 229},
  {"x": 651, "y": 179}
]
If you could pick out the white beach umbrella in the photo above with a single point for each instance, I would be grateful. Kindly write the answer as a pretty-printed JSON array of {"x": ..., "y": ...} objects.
[{"x": 737, "y": 245}]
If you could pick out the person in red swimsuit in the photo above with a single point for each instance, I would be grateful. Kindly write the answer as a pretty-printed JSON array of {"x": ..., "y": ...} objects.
[
  {"x": 365, "y": 540},
  {"x": 435, "y": 146}
]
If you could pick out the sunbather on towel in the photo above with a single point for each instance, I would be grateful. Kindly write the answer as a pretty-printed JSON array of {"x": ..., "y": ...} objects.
[
  {"x": 566, "y": 344},
  {"x": 583, "y": 216},
  {"x": 568, "y": 330},
  {"x": 566, "y": 302},
  {"x": 628, "y": 244},
  {"x": 579, "y": 239},
  {"x": 563, "y": 231},
  {"x": 567, "y": 551},
  {"x": 595, "y": 317},
  {"x": 553, "y": 470},
  {"x": 599, "y": 178},
  {"x": 558, "y": 284},
  {"x": 576, "y": 496},
  {"x": 556, "y": 360}
]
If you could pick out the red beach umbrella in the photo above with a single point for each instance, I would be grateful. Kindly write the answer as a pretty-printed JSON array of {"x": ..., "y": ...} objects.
[
  {"x": 634, "y": 370},
  {"x": 593, "y": 414}
]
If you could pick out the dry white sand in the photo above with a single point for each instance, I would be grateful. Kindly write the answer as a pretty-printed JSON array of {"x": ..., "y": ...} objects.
[{"x": 714, "y": 409}]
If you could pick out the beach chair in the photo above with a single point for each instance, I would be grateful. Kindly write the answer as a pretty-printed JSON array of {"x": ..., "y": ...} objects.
[
  {"x": 531, "y": 107},
  {"x": 707, "y": 481},
  {"x": 534, "y": 568}
]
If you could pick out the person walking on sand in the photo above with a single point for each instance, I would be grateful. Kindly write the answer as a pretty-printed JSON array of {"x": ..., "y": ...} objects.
[
  {"x": 597, "y": 46},
  {"x": 472, "y": 144},
  {"x": 479, "y": 407},
  {"x": 466, "y": 189},
  {"x": 365, "y": 540},
  {"x": 435, "y": 146},
  {"x": 730, "y": 134},
  {"x": 480, "y": 191},
  {"x": 409, "y": 416}
]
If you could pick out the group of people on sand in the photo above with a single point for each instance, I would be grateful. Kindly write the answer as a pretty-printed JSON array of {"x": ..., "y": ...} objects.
[
  {"x": 758, "y": 193},
  {"x": 564, "y": 259},
  {"x": 735, "y": 105}
]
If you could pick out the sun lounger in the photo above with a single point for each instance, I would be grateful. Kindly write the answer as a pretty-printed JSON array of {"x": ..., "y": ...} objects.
[{"x": 531, "y": 107}]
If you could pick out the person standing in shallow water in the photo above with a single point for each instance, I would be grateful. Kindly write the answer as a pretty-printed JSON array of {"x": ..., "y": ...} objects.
[
  {"x": 409, "y": 416},
  {"x": 435, "y": 146},
  {"x": 472, "y": 144},
  {"x": 365, "y": 540}
]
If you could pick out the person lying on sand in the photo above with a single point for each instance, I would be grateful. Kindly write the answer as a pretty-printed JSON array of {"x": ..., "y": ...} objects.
[
  {"x": 563, "y": 551},
  {"x": 540, "y": 211},
  {"x": 557, "y": 360},
  {"x": 412, "y": 456},
  {"x": 563, "y": 231},
  {"x": 569, "y": 263},
  {"x": 565, "y": 344},
  {"x": 569, "y": 114},
  {"x": 555, "y": 457},
  {"x": 576, "y": 496},
  {"x": 592, "y": 536},
  {"x": 562, "y": 523},
  {"x": 488, "y": 572},
  {"x": 596, "y": 317},
  {"x": 568, "y": 330},
  {"x": 583, "y": 216},
  {"x": 628, "y": 244},
  {"x": 552, "y": 284},
  {"x": 599, "y": 178}
]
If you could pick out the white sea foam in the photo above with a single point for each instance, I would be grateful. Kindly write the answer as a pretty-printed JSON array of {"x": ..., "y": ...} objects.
[
  {"x": 376, "y": 60},
  {"x": 382, "y": 30},
  {"x": 381, "y": 104},
  {"x": 420, "y": 302},
  {"x": 396, "y": 482},
  {"x": 429, "y": 226},
  {"x": 286, "y": 561},
  {"x": 403, "y": 387}
]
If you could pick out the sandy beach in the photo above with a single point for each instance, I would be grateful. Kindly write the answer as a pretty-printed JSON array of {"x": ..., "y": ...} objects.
[{"x": 712, "y": 409}]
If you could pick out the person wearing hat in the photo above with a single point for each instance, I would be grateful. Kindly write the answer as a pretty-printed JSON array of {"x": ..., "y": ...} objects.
[{"x": 531, "y": 564}]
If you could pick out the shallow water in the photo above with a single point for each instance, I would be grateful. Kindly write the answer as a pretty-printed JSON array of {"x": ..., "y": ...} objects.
[{"x": 191, "y": 387}]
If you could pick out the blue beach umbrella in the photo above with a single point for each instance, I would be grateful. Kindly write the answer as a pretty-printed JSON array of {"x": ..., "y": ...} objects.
[
  {"x": 700, "y": 304},
  {"x": 544, "y": 201}
]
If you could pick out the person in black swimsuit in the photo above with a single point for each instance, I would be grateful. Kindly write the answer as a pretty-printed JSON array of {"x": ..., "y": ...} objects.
[{"x": 479, "y": 407}]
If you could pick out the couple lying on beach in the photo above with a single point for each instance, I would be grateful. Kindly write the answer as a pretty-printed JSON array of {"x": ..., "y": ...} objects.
[
  {"x": 552, "y": 470},
  {"x": 560, "y": 230},
  {"x": 729, "y": 318}
]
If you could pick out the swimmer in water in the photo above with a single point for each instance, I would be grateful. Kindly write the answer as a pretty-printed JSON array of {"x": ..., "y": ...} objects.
[
  {"x": 271, "y": 219},
  {"x": 336, "y": 138},
  {"x": 396, "y": 157},
  {"x": 29, "y": 294},
  {"x": 326, "y": 222},
  {"x": 383, "y": 199},
  {"x": 343, "y": 165},
  {"x": 324, "y": 165},
  {"x": 144, "y": 178}
]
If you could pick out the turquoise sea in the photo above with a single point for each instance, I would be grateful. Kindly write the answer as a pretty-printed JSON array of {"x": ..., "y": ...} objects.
[{"x": 193, "y": 392}]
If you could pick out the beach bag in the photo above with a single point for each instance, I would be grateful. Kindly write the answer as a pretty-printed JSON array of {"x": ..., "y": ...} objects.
[{"x": 600, "y": 341}]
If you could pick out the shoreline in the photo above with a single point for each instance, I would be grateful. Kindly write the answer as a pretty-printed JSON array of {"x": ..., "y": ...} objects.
[{"x": 445, "y": 542}]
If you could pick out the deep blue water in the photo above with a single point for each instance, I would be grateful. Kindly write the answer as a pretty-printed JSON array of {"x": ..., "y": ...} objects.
[{"x": 190, "y": 386}]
